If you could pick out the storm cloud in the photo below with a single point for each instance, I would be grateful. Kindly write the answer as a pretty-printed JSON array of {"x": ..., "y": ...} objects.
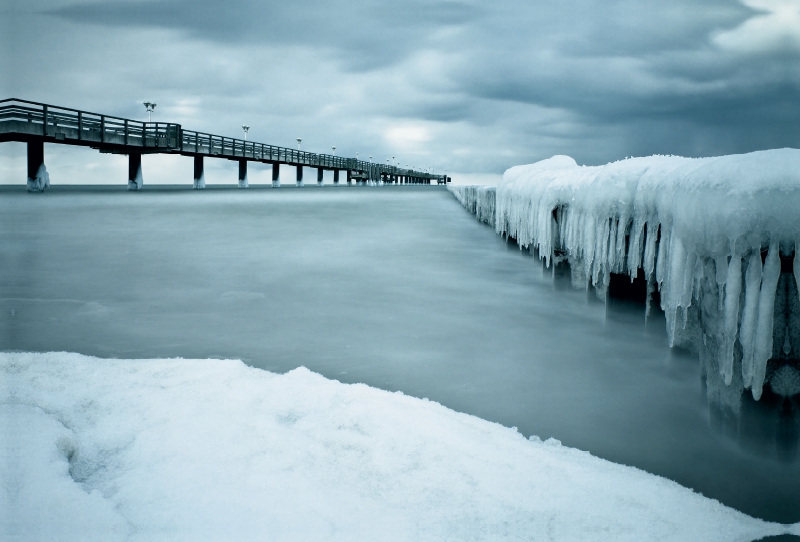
[{"x": 473, "y": 87}]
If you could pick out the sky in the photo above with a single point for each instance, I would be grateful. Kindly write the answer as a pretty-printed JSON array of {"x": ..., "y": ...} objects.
[{"x": 471, "y": 88}]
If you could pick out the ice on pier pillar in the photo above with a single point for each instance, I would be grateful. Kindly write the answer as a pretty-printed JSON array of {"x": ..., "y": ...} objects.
[
  {"x": 336, "y": 176},
  {"x": 199, "y": 174},
  {"x": 243, "y": 174},
  {"x": 276, "y": 172},
  {"x": 135, "y": 171},
  {"x": 38, "y": 178},
  {"x": 319, "y": 176},
  {"x": 349, "y": 177},
  {"x": 299, "y": 175}
]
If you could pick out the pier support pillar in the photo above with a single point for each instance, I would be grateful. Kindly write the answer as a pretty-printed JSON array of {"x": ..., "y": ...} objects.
[
  {"x": 135, "y": 171},
  {"x": 299, "y": 175},
  {"x": 243, "y": 174},
  {"x": 319, "y": 176},
  {"x": 199, "y": 174},
  {"x": 336, "y": 177},
  {"x": 38, "y": 178},
  {"x": 276, "y": 175},
  {"x": 349, "y": 177}
]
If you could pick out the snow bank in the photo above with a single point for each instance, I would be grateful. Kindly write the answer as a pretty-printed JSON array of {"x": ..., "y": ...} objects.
[
  {"x": 176, "y": 449},
  {"x": 715, "y": 236}
]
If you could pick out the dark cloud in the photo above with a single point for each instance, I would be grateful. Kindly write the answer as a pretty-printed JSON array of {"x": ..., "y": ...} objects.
[
  {"x": 363, "y": 34},
  {"x": 479, "y": 86}
]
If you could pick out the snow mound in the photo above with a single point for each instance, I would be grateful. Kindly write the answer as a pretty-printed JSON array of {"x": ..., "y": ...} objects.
[
  {"x": 215, "y": 450},
  {"x": 715, "y": 236}
]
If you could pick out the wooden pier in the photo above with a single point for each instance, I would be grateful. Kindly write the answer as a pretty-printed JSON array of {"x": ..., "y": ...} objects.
[{"x": 37, "y": 123}]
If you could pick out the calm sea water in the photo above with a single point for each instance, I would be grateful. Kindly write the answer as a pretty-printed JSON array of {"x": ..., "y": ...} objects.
[{"x": 396, "y": 287}]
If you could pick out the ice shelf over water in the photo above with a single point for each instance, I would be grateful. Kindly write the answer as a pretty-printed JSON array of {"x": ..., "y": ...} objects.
[
  {"x": 716, "y": 237},
  {"x": 174, "y": 449}
]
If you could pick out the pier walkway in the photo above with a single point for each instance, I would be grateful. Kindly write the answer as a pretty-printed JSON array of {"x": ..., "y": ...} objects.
[{"x": 38, "y": 123}]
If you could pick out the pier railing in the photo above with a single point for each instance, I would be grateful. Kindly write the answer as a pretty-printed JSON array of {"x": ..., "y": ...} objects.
[
  {"x": 214, "y": 145},
  {"x": 83, "y": 127},
  {"x": 24, "y": 120}
]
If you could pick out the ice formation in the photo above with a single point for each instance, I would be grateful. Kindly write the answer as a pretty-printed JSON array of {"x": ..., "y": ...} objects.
[
  {"x": 137, "y": 181},
  {"x": 200, "y": 183},
  {"x": 106, "y": 449},
  {"x": 715, "y": 237},
  {"x": 478, "y": 199},
  {"x": 40, "y": 182},
  {"x": 243, "y": 182}
]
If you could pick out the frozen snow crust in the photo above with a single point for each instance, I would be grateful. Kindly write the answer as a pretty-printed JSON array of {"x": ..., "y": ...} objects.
[
  {"x": 176, "y": 449},
  {"x": 709, "y": 234}
]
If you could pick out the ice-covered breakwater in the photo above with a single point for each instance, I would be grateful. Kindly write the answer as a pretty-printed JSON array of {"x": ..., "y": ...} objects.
[
  {"x": 478, "y": 199},
  {"x": 715, "y": 238}
]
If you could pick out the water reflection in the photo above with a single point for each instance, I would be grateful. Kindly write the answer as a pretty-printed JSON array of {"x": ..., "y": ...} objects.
[{"x": 769, "y": 427}]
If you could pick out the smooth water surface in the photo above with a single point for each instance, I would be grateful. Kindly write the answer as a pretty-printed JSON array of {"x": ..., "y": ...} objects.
[{"x": 396, "y": 287}]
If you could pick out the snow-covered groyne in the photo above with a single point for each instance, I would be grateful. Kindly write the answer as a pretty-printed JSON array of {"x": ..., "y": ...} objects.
[
  {"x": 714, "y": 237},
  {"x": 478, "y": 199}
]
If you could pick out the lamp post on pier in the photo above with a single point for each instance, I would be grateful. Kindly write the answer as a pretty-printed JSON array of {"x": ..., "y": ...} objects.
[
  {"x": 299, "y": 140},
  {"x": 150, "y": 107},
  {"x": 246, "y": 129}
]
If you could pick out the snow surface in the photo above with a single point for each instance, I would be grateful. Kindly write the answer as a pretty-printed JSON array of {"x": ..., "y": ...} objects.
[
  {"x": 174, "y": 449},
  {"x": 692, "y": 226}
]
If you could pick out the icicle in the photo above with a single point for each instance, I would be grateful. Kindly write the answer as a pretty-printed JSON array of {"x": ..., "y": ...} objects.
[
  {"x": 619, "y": 255},
  {"x": 635, "y": 247},
  {"x": 721, "y": 267},
  {"x": 673, "y": 285},
  {"x": 688, "y": 280},
  {"x": 650, "y": 249},
  {"x": 766, "y": 305},
  {"x": 697, "y": 277},
  {"x": 750, "y": 315},
  {"x": 602, "y": 246},
  {"x": 600, "y": 240},
  {"x": 588, "y": 243},
  {"x": 796, "y": 266},
  {"x": 651, "y": 287},
  {"x": 733, "y": 289},
  {"x": 661, "y": 262},
  {"x": 612, "y": 246}
]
